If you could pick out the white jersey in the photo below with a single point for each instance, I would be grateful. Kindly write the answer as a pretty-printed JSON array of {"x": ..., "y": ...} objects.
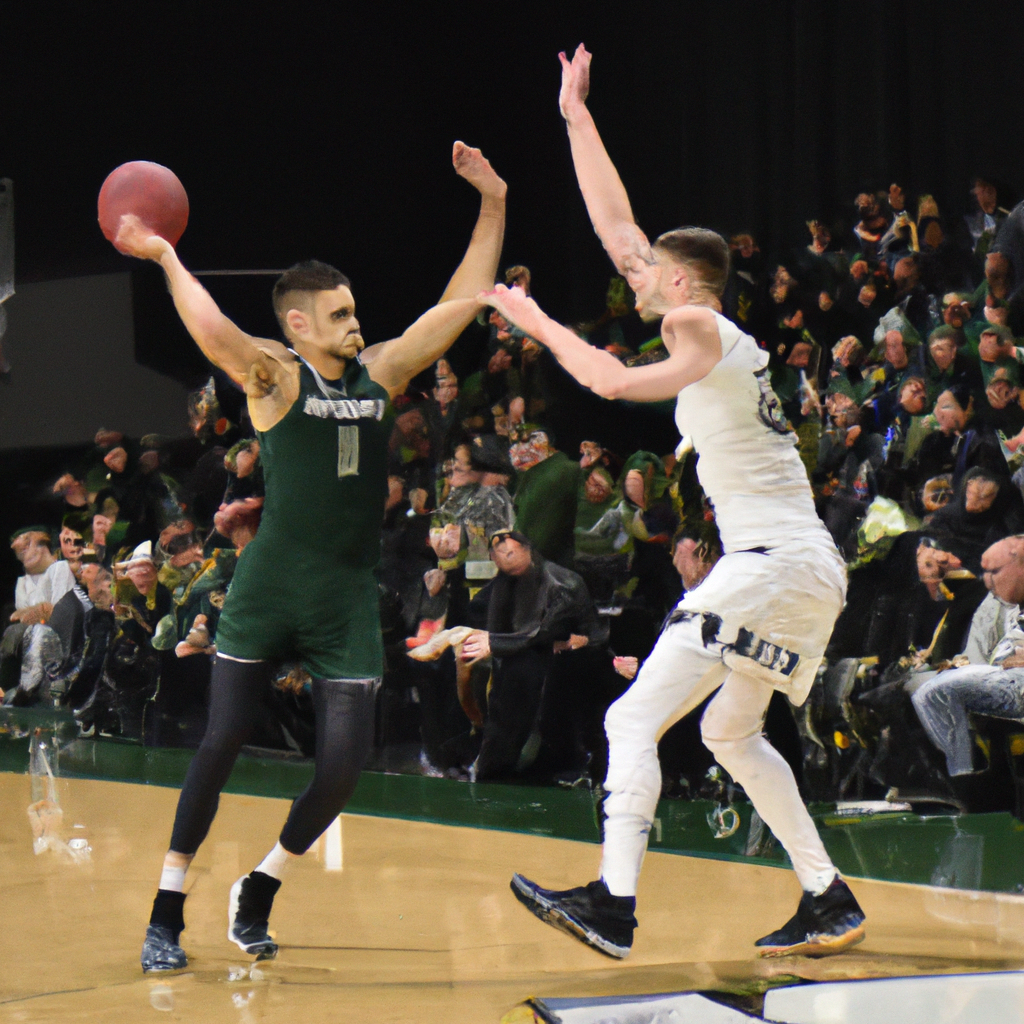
[{"x": 748, "y": 466}]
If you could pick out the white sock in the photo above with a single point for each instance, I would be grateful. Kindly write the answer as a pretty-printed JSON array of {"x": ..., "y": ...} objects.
[
  {"x": 821, "y": 885},
  {"x": 275, "y": 862},
  {"x": 173, "y": 879},
  {"x": 625, "y": 843}
]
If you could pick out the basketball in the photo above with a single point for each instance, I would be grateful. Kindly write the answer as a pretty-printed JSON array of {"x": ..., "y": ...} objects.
[{"x": 151, "y": 192}]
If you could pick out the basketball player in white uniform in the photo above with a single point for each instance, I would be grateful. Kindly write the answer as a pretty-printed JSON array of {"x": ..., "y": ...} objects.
[{"x": 760, "y": 620}]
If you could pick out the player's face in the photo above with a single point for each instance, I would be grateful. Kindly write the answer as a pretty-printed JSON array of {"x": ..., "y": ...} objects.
[
  {"x": 653, "y": 288},
  {"x": 336, "y": 329}
]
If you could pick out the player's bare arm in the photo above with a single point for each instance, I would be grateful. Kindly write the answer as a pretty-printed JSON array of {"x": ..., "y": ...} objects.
[
  {"x": 394, "y": 363},
  {"x": 599, "y": 181},
  {"x": 263, "y": 367},
  {"x": 690, "y": 334}
]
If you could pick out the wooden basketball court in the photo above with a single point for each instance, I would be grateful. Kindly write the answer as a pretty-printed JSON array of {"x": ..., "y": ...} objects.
[{"x": 408, "y": 920}]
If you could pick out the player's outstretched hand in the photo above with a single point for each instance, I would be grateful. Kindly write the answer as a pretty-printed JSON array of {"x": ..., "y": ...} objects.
[
  {"x": 471, "y": 164},
  {"x": 575, "y": 81},
  {"x": 516, "y": 306},
  {"x": 134, "y": 238}
]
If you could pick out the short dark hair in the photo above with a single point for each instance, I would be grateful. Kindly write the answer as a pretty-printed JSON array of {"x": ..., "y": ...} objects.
[
  {"x": 1004, "y": 334},
  {"x": 701, "y": 250},
  {"x": 307, "y": 276},
  {"x": 704, "y": 534},
  {"x": 944, "y": 333}
]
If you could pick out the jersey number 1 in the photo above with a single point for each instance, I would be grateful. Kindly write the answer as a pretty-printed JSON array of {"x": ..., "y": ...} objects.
[{"x": 348, "y": 451}]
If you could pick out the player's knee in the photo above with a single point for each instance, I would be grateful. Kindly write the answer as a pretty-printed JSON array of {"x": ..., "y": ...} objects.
[
  {"x": 726, "y": 739},
  {"x": 623, "y": 726}
]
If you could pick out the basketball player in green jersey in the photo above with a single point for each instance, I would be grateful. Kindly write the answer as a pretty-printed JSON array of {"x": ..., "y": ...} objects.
[{"x": 304, "y": 588}]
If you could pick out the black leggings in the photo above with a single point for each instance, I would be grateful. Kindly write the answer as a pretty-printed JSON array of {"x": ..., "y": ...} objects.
[{"x": 344, "y": 714}]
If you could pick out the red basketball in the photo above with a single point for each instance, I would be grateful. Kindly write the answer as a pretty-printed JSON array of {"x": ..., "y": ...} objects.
[{"x": 149, "y": 191}]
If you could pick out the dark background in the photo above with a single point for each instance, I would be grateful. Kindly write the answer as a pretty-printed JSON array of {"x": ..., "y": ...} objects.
[{"x": 325, "y": 129}]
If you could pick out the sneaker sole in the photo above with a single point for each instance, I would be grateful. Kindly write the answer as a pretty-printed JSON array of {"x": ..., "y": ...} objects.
[
  {"x": 260, "y": 950},
  {"x": 158, "y": 969},
  {"x": 557, "y": 918},
  {"x": 820, "y": 947}
]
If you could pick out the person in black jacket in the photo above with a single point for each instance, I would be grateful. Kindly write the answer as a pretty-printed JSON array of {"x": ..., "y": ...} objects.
[{"x": 537, "y": 610}]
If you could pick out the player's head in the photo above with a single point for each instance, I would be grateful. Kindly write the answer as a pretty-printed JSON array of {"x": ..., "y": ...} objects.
[
  {"x": 692, "y": 268},
  {"x": 314, "y": 305}
]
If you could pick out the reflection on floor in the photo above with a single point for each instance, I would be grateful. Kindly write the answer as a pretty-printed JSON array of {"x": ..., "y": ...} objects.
[{"x": 417, "y": 924}]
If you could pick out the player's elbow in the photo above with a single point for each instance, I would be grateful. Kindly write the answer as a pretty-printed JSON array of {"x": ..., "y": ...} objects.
[{"x": 607, "y": 386}]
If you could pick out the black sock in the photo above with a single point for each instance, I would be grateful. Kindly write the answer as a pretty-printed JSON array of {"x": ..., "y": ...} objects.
[
  {"x": 257, "y": 896},
  {"x": 168, "y": 910}
]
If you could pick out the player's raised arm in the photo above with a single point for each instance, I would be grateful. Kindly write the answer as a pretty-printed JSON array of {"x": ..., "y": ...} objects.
[
  {"x": 394, "y": 363},
  {"x": 599, "y": 181},
  {"x": 223, "y": 343},
  {"x": 690, "y": 333}
]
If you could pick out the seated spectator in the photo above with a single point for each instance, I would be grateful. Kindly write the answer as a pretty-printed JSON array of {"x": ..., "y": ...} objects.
[
  {"x": 945, "y": 704},
  {"x": 30, "y": 651},
  {"x": 245, "y": 469},
  {"x": 479, "y": 508},
  {"x": 846, "y": 372},
  {"x": 132, "y": 668},
  {"x": 895, "y": 605},
  {"x": 848, "y": 457},
  {"x": 942, "y": 365},
  {"x": 961, "y": 441},
  {"x": 75, "y": 527},
  {"x": 1004, "y": 268},
  {"x": 872, "y": 223},
  {"x": 536, "y": 610},
  {"x": 896, "y": 344},
  {"x": 985, "y": 509},
  {"x": 985, "y": 220},
  {"x": 81, "y": 680}
]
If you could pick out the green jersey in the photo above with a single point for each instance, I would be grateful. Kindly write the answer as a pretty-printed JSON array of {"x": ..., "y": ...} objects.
[{"x": 304, "y": 586}]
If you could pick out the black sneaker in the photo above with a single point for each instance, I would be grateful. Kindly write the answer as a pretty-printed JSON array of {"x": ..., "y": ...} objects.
[
  {"x": 589, "y": 913},
  {"x": 821, "y": 926},
  {"x": 252, "y": 897},
  {"x": 161, "y": 952}
]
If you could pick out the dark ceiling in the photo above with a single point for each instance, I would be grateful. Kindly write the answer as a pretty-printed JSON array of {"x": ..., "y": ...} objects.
[{"x": 325, "y": 129}]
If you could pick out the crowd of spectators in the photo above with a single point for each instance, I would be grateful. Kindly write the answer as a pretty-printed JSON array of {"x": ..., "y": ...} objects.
[{"x": 521, "y": 586}]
